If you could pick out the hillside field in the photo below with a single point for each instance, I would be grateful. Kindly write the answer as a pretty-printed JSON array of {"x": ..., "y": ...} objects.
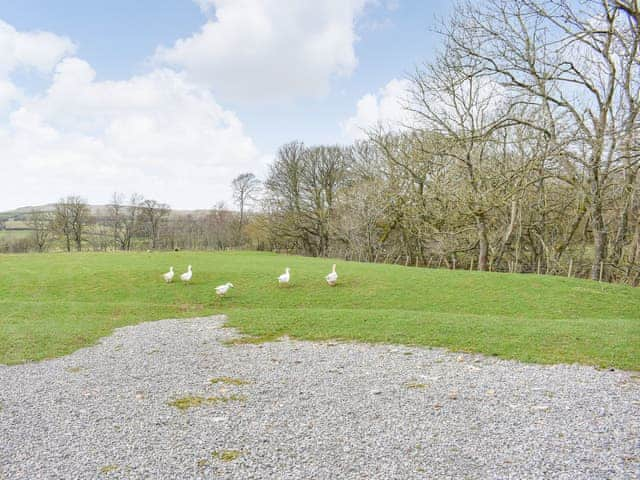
[{"x": 53, "y": 304}]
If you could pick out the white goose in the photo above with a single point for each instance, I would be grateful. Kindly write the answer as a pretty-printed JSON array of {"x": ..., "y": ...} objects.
[
  {"x": 168, "y": 277},
  {"x": 222, "y": 290},
  {"x": 285, "y": 277},
  {"x": 332, "y": 278},
  {"x": 186, "y": 276}
]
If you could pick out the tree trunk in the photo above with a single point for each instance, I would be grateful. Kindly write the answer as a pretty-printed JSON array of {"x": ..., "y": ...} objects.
[
  {"x": 507, "y": 236},
  {"x": 623, "y": 223},
  {"x": 599, "y": 241},
  {"x": 483, "y": 243},
  {"x": 241, "y": 219}
]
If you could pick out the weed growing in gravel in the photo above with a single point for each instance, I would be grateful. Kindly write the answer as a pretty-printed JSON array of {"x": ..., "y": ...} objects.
[
  {"x": 226, "y": 455},
  {"x": 229, "y": 381},
  {"x": 185, "y": 403},
  {"x": 108, "y": 469},
  {"x": 416, "y": 385}
]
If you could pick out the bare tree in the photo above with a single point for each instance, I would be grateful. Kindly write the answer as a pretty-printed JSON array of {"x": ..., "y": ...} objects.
[
  {"x": 152, "y": 215},
  {"x": 115, "y": 218},
  {"x": 62, "y": 222},
  {"x": 324, "y": 172},
  {"x": 302, "y": 187},
  {"x": 42, "y": 228},
  {"x": 468, "y": 116},
  {"x": 574, "y": 64},
  {"x": 80, "y": 218},
  {"x": 245, "y": 189},
  {"x": 220, "y": 229},
  {"x": 71, "y": 217},
  {"x": 124, "y": 219},
  {"x": 283, "y": 201}
]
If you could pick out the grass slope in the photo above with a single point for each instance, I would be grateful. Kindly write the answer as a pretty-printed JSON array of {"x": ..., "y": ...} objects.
[{"x": 53, "y": 304}]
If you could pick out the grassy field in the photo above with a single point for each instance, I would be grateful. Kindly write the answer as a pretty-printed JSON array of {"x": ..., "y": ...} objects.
[
  {"x": 53, "y": 304},
  {"x": 14, "y": 234}
]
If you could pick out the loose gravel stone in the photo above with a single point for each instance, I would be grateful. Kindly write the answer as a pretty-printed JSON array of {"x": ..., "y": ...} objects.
[{"x": 303, "y": 410}]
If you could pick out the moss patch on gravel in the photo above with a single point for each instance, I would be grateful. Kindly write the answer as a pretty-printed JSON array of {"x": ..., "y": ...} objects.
[
  {"x": 226, "y": 455},
  {"x": 184, "y": 403},
  {"x": 416, "y": 385},
  {"x": 229, "y": 381},
  {"x": 108, "y": 469}
]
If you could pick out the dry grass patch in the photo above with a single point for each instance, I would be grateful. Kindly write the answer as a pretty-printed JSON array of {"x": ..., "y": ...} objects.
[
  {"x": 416, "y": 385},
  {"x": 108, "y": 469},
  {"x": 229, "y": 381},
  {"x": 226, "y": 455}
]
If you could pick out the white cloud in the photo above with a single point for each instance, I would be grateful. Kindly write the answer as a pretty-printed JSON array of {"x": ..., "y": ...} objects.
[
  {"x": 207, "y": 6},
  {"x": 8, "y": 93},
  {"x": 157, "y": 134},
  {"x": 39, "y": 51},
  {"x": 384, "y": 109},
  {"x": 269, "y": 49}
]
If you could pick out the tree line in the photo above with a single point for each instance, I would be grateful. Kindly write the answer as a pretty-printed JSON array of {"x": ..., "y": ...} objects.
[
  {"x": 72, "y": 224},
  {"x": 522, "y": 153},
  {"x": 138, "y": 223}
]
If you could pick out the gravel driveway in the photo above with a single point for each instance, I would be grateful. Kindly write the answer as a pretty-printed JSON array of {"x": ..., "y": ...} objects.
[{"x": 142, "y": 404}]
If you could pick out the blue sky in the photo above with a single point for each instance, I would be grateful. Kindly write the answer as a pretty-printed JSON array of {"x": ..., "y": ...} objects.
[{"x": 120, "y": 40}]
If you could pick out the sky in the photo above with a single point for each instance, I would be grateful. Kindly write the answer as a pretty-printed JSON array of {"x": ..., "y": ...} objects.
[{"x": 173, "y": 99}]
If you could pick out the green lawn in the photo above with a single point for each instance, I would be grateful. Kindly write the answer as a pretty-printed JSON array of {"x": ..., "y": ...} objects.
[{"x": 52, "y": 304}]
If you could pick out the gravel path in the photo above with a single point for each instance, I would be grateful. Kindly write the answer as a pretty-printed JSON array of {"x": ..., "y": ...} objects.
[{"x": 310, "y": 410}]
